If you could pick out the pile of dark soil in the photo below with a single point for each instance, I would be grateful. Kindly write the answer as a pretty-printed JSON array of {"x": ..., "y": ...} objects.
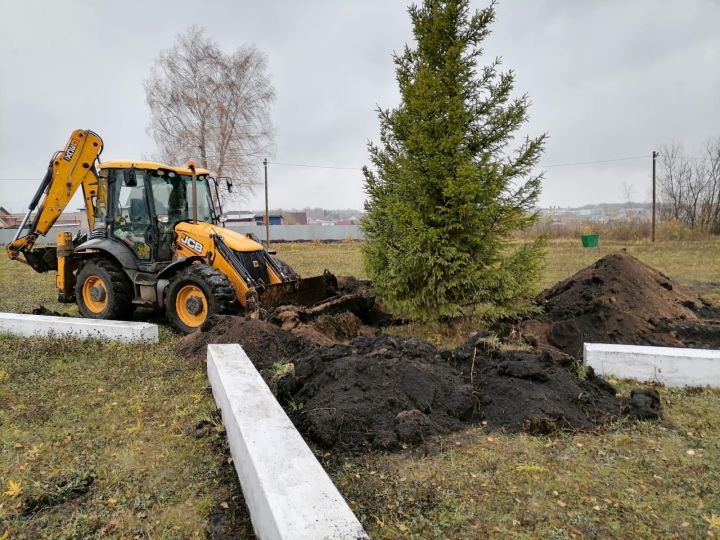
[
  {"x": 263, "y": 342},
  {"x": 531, "y": 391},
  {"x": 385, "y": 392},
  {"x": 325, "y": 328},
  {"x": 619, "y": 299},
  {"x": 377, "y": 392}
]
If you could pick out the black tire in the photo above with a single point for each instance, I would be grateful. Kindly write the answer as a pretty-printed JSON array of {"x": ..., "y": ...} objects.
[
  {"x": 287, "y": 269},
  {"x": 219, "y": 294},
  {"x": 115, "y": 288}
]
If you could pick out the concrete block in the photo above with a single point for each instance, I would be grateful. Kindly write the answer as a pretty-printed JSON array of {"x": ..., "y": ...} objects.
[
  {"x": 671, "y": 366},
  {"x": 289, "y": 494},
  {"x": 44, "y": 325}
]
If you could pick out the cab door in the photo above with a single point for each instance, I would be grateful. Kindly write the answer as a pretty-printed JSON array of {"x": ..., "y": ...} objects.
[{"x": 132, "y": 222}]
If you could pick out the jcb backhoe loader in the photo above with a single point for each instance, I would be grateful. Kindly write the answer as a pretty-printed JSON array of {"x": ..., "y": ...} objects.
[{"x": 153, "y": 240}]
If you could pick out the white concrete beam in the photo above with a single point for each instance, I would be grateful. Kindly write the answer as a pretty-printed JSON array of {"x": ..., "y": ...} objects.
[
  {"x": 670, "y": 366},
  {"x": 48, "y": 326},
  {"x": 289, "y": 494}
]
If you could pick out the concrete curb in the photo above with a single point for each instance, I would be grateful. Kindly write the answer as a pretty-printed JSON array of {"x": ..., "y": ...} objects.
[
  {"x": 289, "y": 494},
  {"x": 670, "y": 366},
  {"x": 47, "y": 326}
]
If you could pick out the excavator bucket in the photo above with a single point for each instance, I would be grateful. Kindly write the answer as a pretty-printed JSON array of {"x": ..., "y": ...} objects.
[{"x": 304, "y": 292}]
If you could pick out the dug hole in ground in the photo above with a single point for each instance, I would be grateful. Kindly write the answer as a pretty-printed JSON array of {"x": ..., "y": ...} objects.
[{"x": 350, "y": 388}]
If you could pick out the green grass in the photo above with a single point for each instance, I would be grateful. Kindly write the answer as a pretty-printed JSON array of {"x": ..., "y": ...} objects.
[
  {"x": 311, "y": 258},
  {"x": 647, "y": 480},
  {"x": 125, "y": 416}
]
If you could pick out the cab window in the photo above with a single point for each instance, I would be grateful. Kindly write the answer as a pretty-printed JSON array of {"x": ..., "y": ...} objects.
[{"x": 131, "y": 215}]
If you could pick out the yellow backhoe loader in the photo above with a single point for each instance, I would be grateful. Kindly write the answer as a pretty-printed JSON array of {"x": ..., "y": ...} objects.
[{"x": 154, "y": 240}]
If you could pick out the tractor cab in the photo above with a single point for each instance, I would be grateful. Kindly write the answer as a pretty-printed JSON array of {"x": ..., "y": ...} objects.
[{"x": 139, "y": 204}]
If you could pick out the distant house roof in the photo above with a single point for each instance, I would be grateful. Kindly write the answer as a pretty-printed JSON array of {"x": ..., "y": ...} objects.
[{"x": 240, "y": 216}]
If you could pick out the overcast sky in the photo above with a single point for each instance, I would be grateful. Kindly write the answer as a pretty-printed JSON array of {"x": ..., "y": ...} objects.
[{"x": 608, "y": 79}]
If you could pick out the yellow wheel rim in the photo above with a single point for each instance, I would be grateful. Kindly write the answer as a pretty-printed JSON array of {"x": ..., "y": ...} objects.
[
  {"x": 95, "y": 294},
  {"x": 191, "y": 306}
]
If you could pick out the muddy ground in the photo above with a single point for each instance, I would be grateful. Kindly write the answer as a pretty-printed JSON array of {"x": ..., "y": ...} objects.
[
  {"x": 619, "y": 299},
  {"x": 387, "y": 392},
  {"x": 349, "y": 387}
]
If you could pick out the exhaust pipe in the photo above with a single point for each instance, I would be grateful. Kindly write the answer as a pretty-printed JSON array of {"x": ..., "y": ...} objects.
[{"x": 191, "y": 165}]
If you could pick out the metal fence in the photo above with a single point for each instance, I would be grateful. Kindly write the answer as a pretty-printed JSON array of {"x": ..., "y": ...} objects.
[
  {"x": 278, "y": 233},
  {"x": 303, "y": 233}
]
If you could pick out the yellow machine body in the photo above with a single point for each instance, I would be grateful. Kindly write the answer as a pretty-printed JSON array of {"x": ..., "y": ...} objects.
[
  {"x": 197, "y": 239},
  {"x": 153, "y": 240}
]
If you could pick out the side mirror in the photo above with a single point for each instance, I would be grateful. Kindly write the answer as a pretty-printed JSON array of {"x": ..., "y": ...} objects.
[
  {"x": 130, "y": 179},
  {"x": 229, "y": 183}
]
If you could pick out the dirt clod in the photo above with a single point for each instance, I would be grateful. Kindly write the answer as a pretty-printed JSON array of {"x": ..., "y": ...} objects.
[{"x": 644, "y": 404}]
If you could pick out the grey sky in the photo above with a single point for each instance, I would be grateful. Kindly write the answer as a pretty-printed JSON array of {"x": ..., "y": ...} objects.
[{"x": 608, "y": 79}]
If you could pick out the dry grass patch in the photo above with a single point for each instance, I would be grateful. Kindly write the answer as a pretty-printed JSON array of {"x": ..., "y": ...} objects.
[{"x": 126, "y": 416}]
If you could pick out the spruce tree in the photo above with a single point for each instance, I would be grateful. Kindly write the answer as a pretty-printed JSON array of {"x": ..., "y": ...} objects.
[{"x": 449, "y": 181}]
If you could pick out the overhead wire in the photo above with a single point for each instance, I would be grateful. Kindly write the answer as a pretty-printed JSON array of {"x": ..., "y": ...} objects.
[{"x": 334, "y": 167}]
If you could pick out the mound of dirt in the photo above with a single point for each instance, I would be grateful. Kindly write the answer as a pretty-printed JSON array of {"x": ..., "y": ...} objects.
[
  {"x": 263, "y": 342},
  {"x": 350, "y": 393},
  {"x": 377, "y": 392},
  {"x": 385, "y": 392},
  {"x": 619, "y": 299},
  {"x": 353, "y": 285},
  {"x": 531, "y": 391},
  {"x": 321, "y": 328}
]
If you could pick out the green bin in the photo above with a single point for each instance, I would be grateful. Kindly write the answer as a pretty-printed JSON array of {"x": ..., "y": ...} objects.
[{"x": 590, "y": 240}]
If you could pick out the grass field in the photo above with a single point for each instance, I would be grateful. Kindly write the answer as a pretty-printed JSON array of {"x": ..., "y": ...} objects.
[{"x": 100, "y": 440}]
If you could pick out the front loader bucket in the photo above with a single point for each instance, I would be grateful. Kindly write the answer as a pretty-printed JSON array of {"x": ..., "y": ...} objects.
[{"x": 304, "y": 292}]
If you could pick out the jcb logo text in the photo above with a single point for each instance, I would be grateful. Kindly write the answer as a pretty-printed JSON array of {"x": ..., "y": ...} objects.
[
  {"x": 192, "y": 244},
  {"x": 70, "y": 152}
]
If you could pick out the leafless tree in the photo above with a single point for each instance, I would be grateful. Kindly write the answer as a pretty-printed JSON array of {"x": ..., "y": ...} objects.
[
  {"x": 628, "y": 189},
  {"x": 709, "y": 167},
  {"x": 689, "y": 187},
  {"x": 213, "y": 106}
]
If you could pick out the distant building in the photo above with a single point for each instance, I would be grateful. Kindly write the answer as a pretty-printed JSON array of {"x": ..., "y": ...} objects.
[
  {"x": 275, "y": 219},
  {"x": 322, "y": 222},
  {"x": 6, "y": 218},
  {"x": 239, "y": 216},
  {"x": 295, "y": 218},
  {"x": 66, "y": 219},
  {"x": 353, "y": 220}
]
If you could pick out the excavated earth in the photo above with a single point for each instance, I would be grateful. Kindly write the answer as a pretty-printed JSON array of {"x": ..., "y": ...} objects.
[
  {"x": 619, "y": 299},
  {"x": 349, "y": 388}
]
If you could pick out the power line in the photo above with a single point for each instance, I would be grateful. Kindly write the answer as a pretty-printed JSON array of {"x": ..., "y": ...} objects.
[
  {"x": 571, "y": 164},
  {"x": 333, "y": 167},
  {"x": 314, "y": 166},
  {"x": 568, "y": 164}
]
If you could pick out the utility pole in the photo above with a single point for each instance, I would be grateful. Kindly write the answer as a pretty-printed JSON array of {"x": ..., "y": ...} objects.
[
  {"x": 654, "y": 156},
  {"x": 267, "y": 216}
]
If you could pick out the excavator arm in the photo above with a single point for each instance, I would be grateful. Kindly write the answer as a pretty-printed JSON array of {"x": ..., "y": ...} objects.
[{"x": 68, "y": 170}]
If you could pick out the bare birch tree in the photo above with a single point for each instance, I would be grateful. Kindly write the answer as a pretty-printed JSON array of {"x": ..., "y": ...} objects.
[
  {"x": 689, "y": 187},
  {"x": 212, "y": 106}
]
